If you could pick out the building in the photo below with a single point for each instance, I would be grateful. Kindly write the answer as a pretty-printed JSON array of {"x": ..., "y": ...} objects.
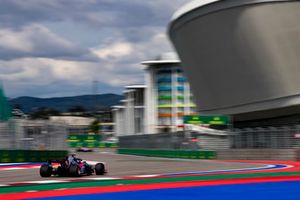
[
  {"x": 160, "y": 104},
  {"x": 118, "y": 119},
  {"x": 242, "y": 58},
  {"x": 129, "y": 117},
  {"x": 74, "y": 124},
  {"x": 168, "y": 96}
]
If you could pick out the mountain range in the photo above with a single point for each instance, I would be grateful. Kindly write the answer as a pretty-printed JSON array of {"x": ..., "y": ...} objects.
[{"x": 64, "y": 104}]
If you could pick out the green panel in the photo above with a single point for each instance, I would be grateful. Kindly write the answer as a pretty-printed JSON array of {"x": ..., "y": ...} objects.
[
  {"x": 5, "y": 109},
  {"x": 177, "y": 105},
  {"x": 165, "y": 97},
  {"x": 213, "y": 120},
  {"x": 107, "y": 145},
  {"x": 85, "y": 140},
  {"x": 185, "y": 154},
  {"x": 5, "y": 156},
  {"x": 211, "y": 155},
  {"x": 180, "y": 97},
  {"x": 20, "y": 156},
  {"x": 170, "y": 97},
  {"x": 83, "y": 137}
]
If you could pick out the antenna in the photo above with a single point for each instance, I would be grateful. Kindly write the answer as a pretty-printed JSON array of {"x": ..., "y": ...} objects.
[{"x": 94, "y": 94}]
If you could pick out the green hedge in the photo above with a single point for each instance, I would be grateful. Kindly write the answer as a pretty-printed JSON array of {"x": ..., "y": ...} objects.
[
  {"x": 16, "y": 156},
  {"x": 187, "y": 154}
]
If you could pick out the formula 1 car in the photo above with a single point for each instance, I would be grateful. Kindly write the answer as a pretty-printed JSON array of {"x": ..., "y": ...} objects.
[
  {"x": 75, "y": 168},
  {"x": 84, "y": 149}
]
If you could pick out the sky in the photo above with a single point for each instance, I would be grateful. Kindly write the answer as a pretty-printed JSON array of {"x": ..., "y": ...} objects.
[{"x": 54, "y": 48}]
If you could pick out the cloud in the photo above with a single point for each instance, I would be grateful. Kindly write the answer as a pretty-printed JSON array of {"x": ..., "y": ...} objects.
[
  {"x": 58, "y": 47},
  {"x": 118, "y": 49},
  {"x": 37, "y": 41},
  {"x": 28, "y": 76},
  {"x": 16, "y": 13}
]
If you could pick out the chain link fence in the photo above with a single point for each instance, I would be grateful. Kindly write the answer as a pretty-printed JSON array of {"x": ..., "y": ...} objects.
[
  {"x": 44, "y": 135},
  {"x": 268, "y": 143},
  {"x": 284, "y": 137},
  {"x": 32, "y": 135}
]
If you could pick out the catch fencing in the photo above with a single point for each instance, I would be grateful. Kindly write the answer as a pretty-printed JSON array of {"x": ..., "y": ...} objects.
[
  {"x": 32, "y": 135},
  {"x": 285, "y": 137},
  {"x": 268, "y": 143}
]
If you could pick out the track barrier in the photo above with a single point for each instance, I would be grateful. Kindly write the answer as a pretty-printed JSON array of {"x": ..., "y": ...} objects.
[
  {"x": 186, "y": 154},
  {"x": 16, "y": 156}
]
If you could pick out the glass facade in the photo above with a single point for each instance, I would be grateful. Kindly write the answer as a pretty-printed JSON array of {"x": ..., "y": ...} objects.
[{"x": 173, "y": 96}]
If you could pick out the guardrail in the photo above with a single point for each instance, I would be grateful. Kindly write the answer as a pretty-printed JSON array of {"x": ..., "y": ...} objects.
[
  {"x": 16, "y": 156},
  {"x": 187, "y": 154}
]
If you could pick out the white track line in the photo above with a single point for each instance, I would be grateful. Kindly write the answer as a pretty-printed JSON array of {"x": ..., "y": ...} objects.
[
  {"x": 145, "y": 176},
  {"x": 46, "y": 181},
  {"x": 101, "y": 178},
  {"x": 3, "y": 185}
]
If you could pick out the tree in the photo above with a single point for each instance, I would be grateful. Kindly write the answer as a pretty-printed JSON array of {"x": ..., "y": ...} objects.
[
  {"x": 77, "y": 108},
  {"x": 44, "y": 113},
  {"x": 17, "y": 106},
  {"x": 94, "y": 126}
]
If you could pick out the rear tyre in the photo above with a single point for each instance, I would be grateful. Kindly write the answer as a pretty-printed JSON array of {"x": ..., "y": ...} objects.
[
  {"x": 99, "y": 169},
  {"x": 45, "y": 170},
  {"x": 74, "y": 170}
]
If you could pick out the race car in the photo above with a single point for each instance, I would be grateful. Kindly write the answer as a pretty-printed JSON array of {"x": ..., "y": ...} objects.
[
  {"x": 71, "y": 167},
  {"x": 84, "y": 149}
]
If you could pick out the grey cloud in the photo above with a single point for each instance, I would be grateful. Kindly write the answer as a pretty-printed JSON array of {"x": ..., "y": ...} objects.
[
  {"x": 133, "y": 20},
  {"x": 9, "y": 70},
  {"x": 141, "y": 24},
  {"x": 14, "y": 13},
  {"x": 38, "y": 41},
  {"x": 133, "y": 13}
]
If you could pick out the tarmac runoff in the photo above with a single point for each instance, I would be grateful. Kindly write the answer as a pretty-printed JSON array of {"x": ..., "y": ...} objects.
[
  {"x": 16, "y": 166},
  {"x": 274, "y": 172}
]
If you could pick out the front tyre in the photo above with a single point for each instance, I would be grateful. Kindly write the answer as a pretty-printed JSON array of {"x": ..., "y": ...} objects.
[
  {"x": 99, "y": 169},
  {"x": 45, "y": 170}
]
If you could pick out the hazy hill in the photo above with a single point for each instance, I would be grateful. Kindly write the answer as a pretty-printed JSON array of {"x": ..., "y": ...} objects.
[{"x": 63, "y": 104}]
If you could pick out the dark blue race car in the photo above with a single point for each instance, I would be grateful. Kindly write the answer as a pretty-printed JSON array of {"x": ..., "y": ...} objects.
[{"x": 71, "y": 166}]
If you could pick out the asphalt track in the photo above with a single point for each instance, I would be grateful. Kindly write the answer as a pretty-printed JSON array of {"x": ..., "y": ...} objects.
[
  {"x": 124, "y": 165},
  {"x": 175, "y": 179}
]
